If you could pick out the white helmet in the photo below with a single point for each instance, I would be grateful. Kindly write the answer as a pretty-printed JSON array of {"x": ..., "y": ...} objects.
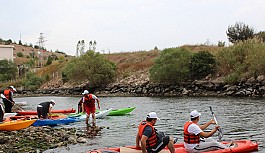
[{"x": 85, "y": 92}]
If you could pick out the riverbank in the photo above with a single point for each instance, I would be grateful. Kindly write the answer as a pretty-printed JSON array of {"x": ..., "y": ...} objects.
[
  {"x": 142, "y": 87},
  {"x": 39, "y": 139}
]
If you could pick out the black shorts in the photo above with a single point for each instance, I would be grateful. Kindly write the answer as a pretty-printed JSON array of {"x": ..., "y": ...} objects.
[{"x": 161, "y": 144}]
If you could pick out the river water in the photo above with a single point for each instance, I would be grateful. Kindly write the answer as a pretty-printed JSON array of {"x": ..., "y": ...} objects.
[{"x": 240, "y": 118}]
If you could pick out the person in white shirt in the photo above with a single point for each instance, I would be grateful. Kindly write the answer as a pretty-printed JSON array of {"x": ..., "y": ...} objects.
[{"x": 193, "y": 132}]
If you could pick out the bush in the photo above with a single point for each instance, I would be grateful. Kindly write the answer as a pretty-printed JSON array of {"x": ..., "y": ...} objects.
[
  {"x": 202, "y": 64},
  {"x": 172, "y": 66},
  {"x": 32, "y": 81},
  {"x": 91, "y": 67},
  {"x": 8, "y": 70},
  {"x": 244, "y": 59},
  {"x": 20, "y": 54}
]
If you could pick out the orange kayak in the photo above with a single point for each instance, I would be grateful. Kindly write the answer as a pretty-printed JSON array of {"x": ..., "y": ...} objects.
[
  {"x": 64, "y": 111},
  {"x": 15, "y": 125},
  {"x": 243, "y": 146}
]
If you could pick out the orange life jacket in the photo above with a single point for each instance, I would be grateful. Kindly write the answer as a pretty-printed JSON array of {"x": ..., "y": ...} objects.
[
  {"x": 7, "y": 93},
  {"x": 152, "y": 140},
  {"x": 190, "y": 138},
  {"x": 89, "y": 101}
]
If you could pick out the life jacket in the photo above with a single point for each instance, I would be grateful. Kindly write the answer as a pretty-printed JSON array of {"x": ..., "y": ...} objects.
[
  {"x": 152, "y": 140},
  {"x": 7, "y": 93},
  {"x": 190, "y": 138},
  {"x": 89, "y": 101}
]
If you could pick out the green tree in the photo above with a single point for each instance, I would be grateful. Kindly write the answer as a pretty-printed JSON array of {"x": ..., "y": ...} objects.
[
  {"x": 92, "y": 67},
  {"x": 261, "y": 35},
  {"x": 172, "y": 66},
  {"x": 32, "y": 81},
  {"x": 239, "y": 32},
  {"x": 202, "y": 64},
  {"x": 8, "y": 70}
]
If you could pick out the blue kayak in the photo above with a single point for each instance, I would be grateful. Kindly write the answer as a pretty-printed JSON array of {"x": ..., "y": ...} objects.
[{"x": 53, "y": 122}]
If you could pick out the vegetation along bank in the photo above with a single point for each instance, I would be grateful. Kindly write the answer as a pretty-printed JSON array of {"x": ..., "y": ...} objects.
[{"x": 196, "y": 70}]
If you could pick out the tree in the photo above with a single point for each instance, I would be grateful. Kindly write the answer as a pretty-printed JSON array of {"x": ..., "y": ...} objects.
[
  {"x": 92, "y": 67},
  {"x": 171, "y": 66},
  {"x": 239, "y": 32},
  {"x": 8, "y": 70}
]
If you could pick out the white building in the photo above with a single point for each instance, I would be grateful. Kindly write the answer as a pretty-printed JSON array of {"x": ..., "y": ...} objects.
[{"x": 7, "y": 52}]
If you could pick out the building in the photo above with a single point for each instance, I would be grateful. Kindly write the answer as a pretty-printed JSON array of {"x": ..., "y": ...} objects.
[{"x": 7, "y": 52}]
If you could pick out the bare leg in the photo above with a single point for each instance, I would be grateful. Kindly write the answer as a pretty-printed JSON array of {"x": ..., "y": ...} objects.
[
  {"x": 93, "y": 119},
  {"x": 87, "y": 118}
]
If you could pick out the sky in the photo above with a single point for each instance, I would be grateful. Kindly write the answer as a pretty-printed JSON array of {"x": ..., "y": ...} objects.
[{"x": 126, "y": 25}]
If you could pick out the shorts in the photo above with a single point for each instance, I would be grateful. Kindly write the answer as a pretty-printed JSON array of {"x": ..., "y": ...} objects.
[
  {"x": 159, "y": 145},
  {"x": 41, "y": 113},
  {"x": 90, "y": 110}
]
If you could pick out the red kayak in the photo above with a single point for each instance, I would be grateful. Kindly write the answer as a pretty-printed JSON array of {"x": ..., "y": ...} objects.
[
  {"x": 243, "y": 146},
  {"x": 63, "y": 111}
]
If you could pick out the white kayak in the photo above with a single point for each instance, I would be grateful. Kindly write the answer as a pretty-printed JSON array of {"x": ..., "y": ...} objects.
[
  {"x": 6, "y": 115},
  {"x": 99, "y": 114}
]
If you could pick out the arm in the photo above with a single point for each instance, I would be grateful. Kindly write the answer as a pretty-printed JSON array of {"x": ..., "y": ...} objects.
[
  {"x": 137, "y": 140},
  {"x": 98, "y": 103},
  {"x": 50, "y": 112},
  {"x": 203, "y": 127},
  {"x": 208, "y": 134},
  {"x": 83, "y": 110},
  {"x": 143, "y": 143}
]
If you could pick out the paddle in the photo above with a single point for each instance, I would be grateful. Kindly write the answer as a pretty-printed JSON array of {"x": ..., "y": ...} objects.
[
  {"x": 220, "y": 131},
  {"x": 3, "y": 96}
]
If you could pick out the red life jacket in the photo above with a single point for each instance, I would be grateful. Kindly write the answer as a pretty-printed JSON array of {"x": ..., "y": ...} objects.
[
  {"x": 152, "y": 140},
  {"x": 190, "y": 138},
  {"x": 7, "y": 93},
  {"x": 89, "y": 101}
]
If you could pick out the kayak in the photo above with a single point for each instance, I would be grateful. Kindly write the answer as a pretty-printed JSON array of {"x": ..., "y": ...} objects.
[
  {"x": 99, "y": 114},
  {"x": 121, "y": 111},
  {"x": 243, "y": 146},
  {"x": 15, "y": 125},
  {"x": 6, "y": 115},
  {"x": 53, "y": 122},
  {"x": 64, "y": 111}
]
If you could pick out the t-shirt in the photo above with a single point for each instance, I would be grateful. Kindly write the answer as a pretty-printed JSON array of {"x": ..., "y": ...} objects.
[
  {"x": 193, "y": 129},
  {"x": 147, "y": 131}
]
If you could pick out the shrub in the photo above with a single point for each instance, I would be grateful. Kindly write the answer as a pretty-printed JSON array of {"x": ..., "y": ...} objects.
[
  {"x": 20, "y": 54},
  {"x": 8, "y": 70},
  {"x": 172, "y": 66},
  {"x": 202, "y": 64},
  {"x": 32, "y": 81}
]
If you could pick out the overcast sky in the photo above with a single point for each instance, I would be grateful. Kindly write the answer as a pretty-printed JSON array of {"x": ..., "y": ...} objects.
[{"x": 126, "y": 25}]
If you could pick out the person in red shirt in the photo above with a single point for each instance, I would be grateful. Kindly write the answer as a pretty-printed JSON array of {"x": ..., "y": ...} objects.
[
  {"x": 9, "y": 101},
  {"x": 89, "y": 106}
]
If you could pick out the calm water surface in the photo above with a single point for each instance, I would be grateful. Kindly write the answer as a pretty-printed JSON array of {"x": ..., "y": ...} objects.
[{"x": 240, "y": 118}]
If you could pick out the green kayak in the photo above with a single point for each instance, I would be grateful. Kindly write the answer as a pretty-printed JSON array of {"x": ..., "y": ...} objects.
[{"x": 122, "y": 111}]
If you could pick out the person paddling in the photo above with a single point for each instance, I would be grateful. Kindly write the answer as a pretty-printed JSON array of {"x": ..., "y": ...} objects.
[
  {"x": 147, "y": 136},
  {"x": 88, "y": 106},
  {"x": 44, "y": 109},
  {"x": 8, "y": 100},
  {"x": 193, "y": 132}
]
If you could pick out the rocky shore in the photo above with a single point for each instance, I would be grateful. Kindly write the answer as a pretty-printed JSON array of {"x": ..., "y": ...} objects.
[
  {"x": 39, "y": 139},
  {"x": 143, "y": 87}
]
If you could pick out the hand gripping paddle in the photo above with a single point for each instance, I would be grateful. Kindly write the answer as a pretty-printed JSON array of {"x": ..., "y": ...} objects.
[{"x": 220, "y": 131}]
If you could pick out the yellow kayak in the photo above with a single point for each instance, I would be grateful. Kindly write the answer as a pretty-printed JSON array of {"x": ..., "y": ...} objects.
[{"x": 15, "y": 125}]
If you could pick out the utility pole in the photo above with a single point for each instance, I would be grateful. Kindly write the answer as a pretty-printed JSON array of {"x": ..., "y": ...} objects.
[{"x": 41, "y": 48}]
